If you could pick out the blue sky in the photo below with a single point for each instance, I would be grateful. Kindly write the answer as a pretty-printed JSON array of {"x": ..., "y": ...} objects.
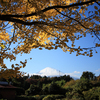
[
  {"x": 67, "y": 63},
  {"x": 64, "y": 62}
]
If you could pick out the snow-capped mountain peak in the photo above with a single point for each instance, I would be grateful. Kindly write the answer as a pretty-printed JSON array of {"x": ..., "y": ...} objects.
[
  {"x": 51, "y": 72},
  {"x": 48, "y": 71}
]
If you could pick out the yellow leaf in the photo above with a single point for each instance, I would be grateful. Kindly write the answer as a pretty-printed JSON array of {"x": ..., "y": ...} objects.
[
  {"x": 68, "y": 50},
  {"x": 2, "y": 45},
  {"x": 20, "y": 66},
  {"x": 80, "y": 11}
]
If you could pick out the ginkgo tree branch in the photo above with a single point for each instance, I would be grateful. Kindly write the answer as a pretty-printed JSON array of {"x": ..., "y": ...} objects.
[
  {"x": 73, "y": 19},
  {"x": 79, "y": 23},
  {"x": 49, "y": 24},
  {"x": 29, "y": 23},
  {"x": 65, "y": 43},
  {"x": 45, "y": 9}
]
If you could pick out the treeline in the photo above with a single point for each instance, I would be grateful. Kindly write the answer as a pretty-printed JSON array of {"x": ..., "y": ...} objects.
[
  {"x": 86, "y": 88},
  {"x": 62, "y": 87}
]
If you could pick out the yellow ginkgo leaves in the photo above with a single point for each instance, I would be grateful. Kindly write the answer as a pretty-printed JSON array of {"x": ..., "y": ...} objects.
[
  {"x": 49, "y": 24},
  {"x": 2, "y": 45},
  {"x": 4, "y": 36}
]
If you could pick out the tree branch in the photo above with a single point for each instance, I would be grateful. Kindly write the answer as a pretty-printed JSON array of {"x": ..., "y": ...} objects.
[
  {"x": 48, "y": 8},
  {"x": 73, "y": 19},
  {"x": 21, "y": 21}
]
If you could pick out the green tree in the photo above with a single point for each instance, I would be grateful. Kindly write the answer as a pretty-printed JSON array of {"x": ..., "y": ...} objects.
[
  {"x": 82, "y": 85},
  {"x": 88, "y": 75},
  {"x": 75, "y": 92},
  {"x": 92, "y": 94},
  {"x": 35, "y": 77},
  {"x": 26, "y": 85},
  {"x": 53, "y": 88},
  {"x": 61, "y": 83},
  {"x": 34, "y": 89}
]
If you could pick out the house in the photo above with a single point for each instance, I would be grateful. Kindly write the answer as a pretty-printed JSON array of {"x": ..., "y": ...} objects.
[{"x": 7, "y": 91}]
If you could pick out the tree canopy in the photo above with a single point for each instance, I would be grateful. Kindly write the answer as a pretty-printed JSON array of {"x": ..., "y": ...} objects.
[
  {"x": 88, "y": 75},
  {"x": 49, "y": 24}
]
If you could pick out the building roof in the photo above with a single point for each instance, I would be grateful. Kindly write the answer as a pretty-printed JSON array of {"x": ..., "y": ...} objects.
[
  {"x": 3, "y": 83},
  {"x": 6, "y": 85}
]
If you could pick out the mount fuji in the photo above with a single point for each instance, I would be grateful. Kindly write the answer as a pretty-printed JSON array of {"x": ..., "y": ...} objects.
[
  {"x": 51, "y": 72},
  {"x": 48, "y": 71}
]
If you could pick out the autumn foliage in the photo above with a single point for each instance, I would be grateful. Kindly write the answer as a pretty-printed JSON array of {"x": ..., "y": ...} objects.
[{"x": 49, "y": 24}]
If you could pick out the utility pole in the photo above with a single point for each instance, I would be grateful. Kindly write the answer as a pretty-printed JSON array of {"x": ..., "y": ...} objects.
[{"x": 59, "y": 72}]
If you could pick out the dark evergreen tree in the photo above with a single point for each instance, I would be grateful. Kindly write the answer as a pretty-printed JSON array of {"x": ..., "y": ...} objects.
[{"x": 88, "y": 75}]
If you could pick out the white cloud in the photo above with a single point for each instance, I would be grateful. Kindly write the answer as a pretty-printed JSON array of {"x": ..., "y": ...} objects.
[
  {"x": 74, "y": 74},
  {"x": 98, "y": 70},
  {"x": 28, "y": 73}
]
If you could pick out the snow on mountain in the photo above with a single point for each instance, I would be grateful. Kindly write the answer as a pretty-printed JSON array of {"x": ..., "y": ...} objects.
[{"x": 48, "y": 71}]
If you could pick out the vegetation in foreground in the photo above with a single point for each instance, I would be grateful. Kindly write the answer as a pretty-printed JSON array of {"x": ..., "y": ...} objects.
[{"x": 57, "y": 88}]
